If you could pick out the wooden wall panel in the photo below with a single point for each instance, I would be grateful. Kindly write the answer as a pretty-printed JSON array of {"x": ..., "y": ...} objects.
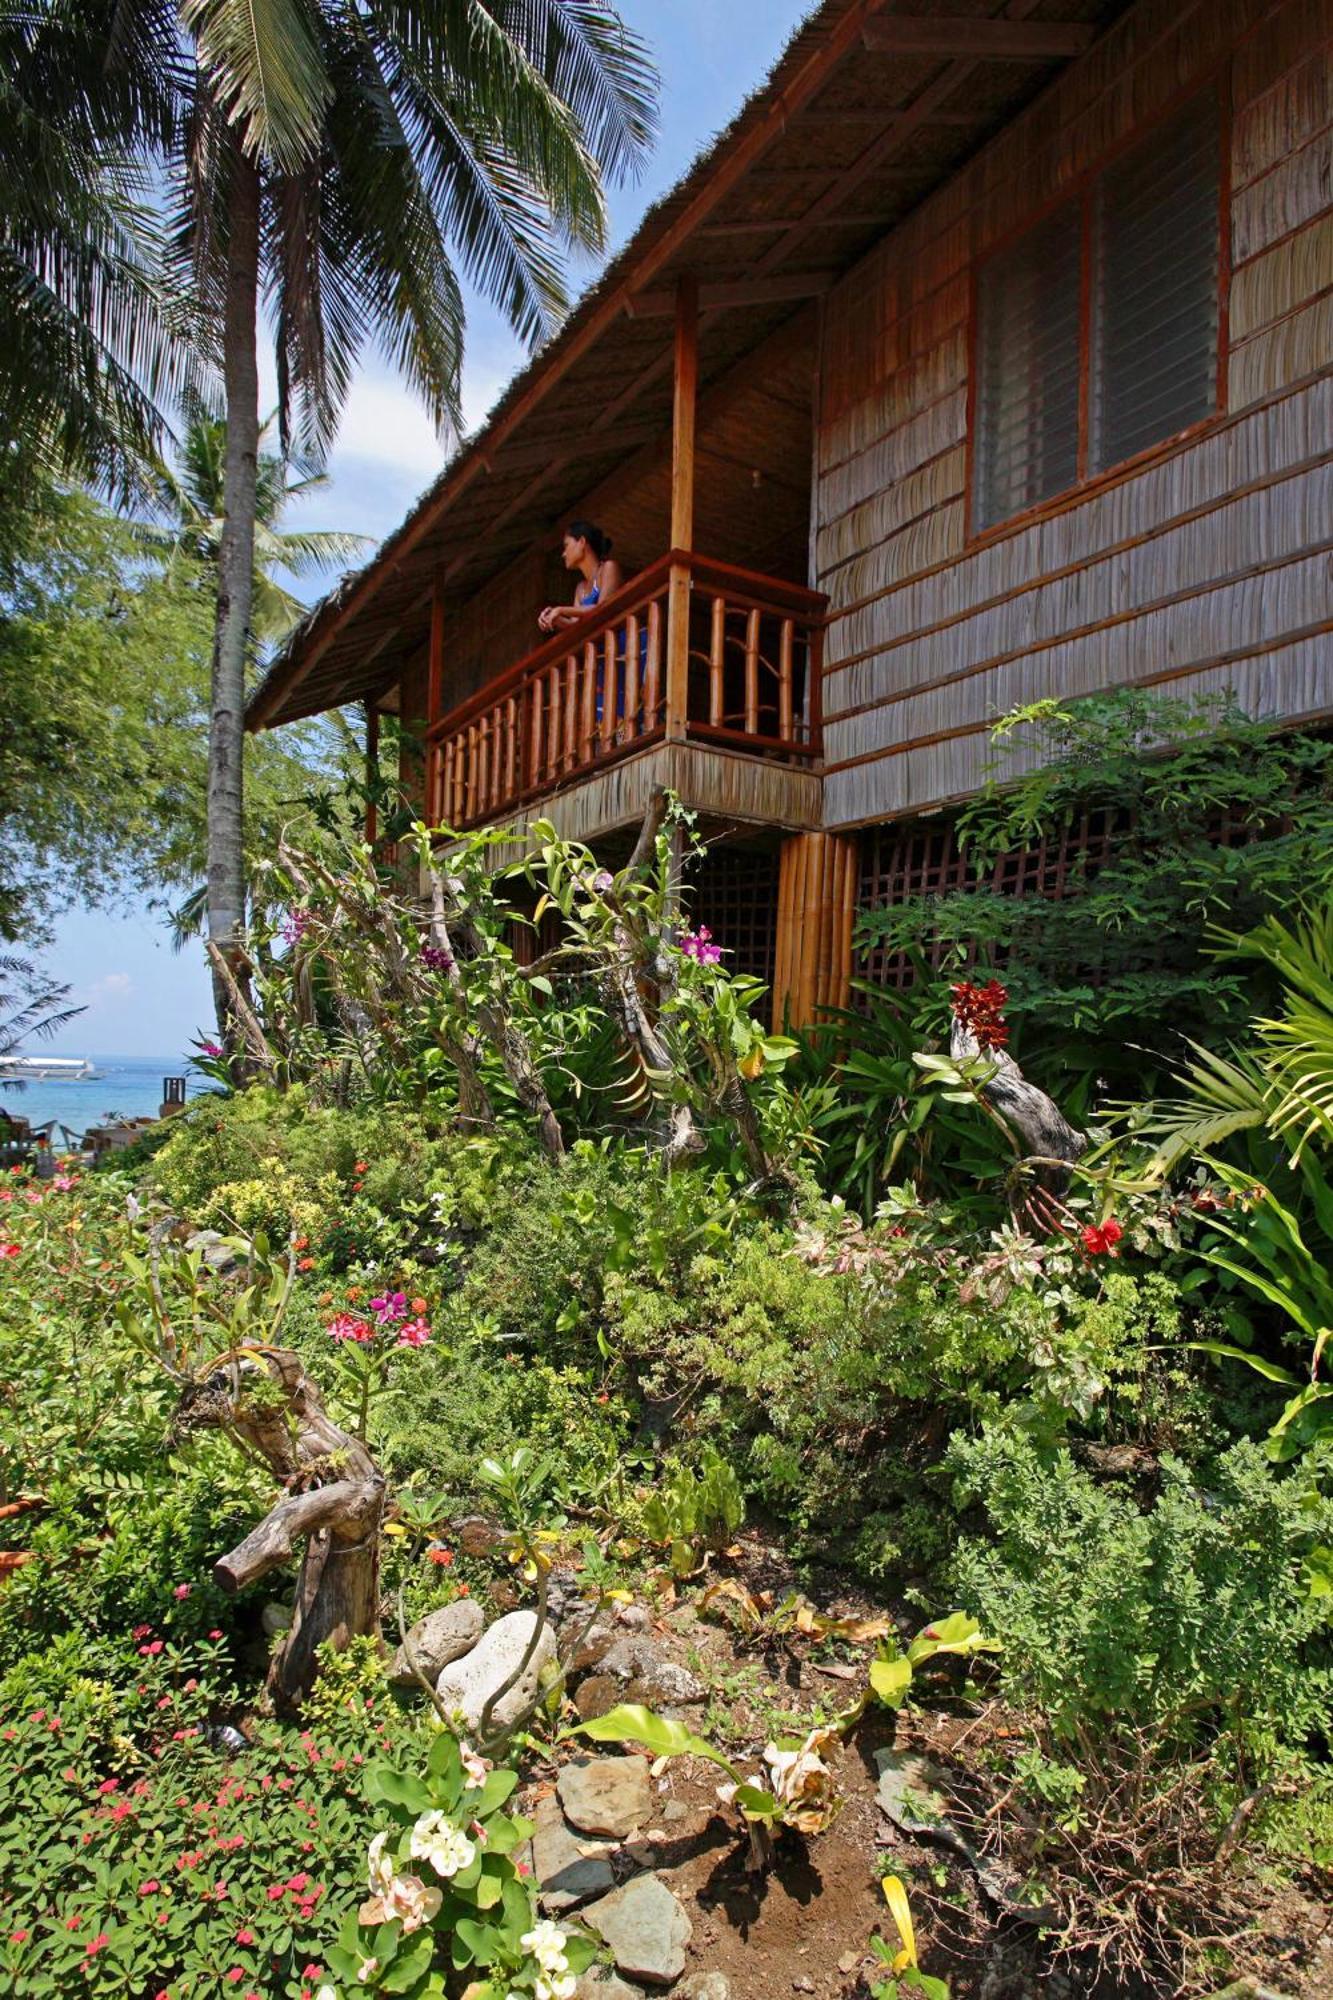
[{"x": 1205, "y": 563}]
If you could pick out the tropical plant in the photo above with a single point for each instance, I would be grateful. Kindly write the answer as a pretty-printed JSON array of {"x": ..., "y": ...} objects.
[
  {"x": 94, "y": 350},
  {"x": 192, "y": 502}
]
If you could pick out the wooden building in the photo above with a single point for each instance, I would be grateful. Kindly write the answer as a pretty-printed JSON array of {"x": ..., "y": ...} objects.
[{"x": 986, "y": 356}]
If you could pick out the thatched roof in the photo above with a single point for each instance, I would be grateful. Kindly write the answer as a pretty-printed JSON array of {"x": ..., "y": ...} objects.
[{"x": 872, "y": 105}]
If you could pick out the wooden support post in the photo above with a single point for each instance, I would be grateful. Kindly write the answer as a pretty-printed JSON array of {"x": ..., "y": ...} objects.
[
  {"x": 435, "y": 668},
  {"x": 682, "y": 504},
  {"x": 372, "y": 772},
  {"x": 817, "y": 882}
]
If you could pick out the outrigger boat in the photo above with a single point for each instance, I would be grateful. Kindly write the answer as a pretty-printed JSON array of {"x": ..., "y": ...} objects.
[{"x": 45, "y": 1069}]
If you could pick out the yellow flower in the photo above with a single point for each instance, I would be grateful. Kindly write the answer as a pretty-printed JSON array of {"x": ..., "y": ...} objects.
[{"x": 896, "y": 1897}]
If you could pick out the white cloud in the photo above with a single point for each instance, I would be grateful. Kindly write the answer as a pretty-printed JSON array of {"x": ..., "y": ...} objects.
[
  {"x": 111, "y": 989},
  {"x": 386, "y": 424}
]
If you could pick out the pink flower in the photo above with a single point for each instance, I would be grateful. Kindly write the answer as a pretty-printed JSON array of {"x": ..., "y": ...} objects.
[
  {"x": 244, "y": 1936},
  {"x": 234, "y": 1975},
  {"x": 211, "y": 1049},
  {"x": 181, "y": 1591},
  {"x": 698, "y": 946},
  {"x": 99, "y": 1943},
  {"x": 108, "y": 1785},
  {"x": 142, "y": 1631},
  {"x": 215, "y": 1633},
  {"x": 149, "y": 1888},
  {"x": 9, "y": 1250},
  {"x": 19, "y": 1937},
  {"x": 346, "y": 1326},
  {"x": 415, "y": 1334},
  {"x": 390, "y": 1309}
]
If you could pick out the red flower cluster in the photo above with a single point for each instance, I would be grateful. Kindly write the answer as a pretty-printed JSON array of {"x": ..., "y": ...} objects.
[
  {"x": 1100, "y": 1241},
  {"x": 981, "y": 1009}
]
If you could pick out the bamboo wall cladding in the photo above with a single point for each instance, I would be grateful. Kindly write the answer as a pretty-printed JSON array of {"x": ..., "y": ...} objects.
[
  {"x": 1204, "y": 562},
  {"x": 817, "y": 880}
]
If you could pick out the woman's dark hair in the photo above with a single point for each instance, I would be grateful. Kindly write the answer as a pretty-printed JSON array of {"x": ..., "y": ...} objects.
[{"x": 597, "y": 540}]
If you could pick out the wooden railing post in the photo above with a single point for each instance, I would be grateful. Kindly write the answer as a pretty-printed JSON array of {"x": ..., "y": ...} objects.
[{"x": 686, "y": 386}]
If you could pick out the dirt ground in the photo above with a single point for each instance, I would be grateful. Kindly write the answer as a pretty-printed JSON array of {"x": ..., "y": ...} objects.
[{"x": 805, "y": 1926}]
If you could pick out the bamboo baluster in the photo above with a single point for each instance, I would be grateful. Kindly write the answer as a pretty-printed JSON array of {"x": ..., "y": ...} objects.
[
  {"x": 569, "y": 683},
  {"x": 607, "y": 733},
  {"x": 535, "y": 746},
  {"x": 588, "y": 702},
  {"x": 483, "y": 765},
  {"x": 469, "y": 774},
  {"x": 633, "y": 683},
  {"x": 785, "y": 648},
  {"x": 716, "y": 655},
  {"x": 652, "y": 672},
  {"x": 552, "y": 679},
  {"x": 511, "y": 746},
  {"x": 752, "y": 673}
]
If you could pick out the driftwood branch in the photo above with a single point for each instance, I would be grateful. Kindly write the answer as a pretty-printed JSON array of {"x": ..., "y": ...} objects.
[
  {"x": 242, "y": 1012},
  {"x": 1033, "y": 1118},
  {"x": 332, "y": 1498}
]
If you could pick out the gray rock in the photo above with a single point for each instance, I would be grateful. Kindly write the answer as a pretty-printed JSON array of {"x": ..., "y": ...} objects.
[
  {"x": 634, "y": 1617},
  {"x": 566, "y": 1874},
  {"x": 217, "y": 1253},
  {"x": 467, "y": 1685},
  {"x": 596, "y": 1641},
  {"x": 707, "y": 1986},
  {"x": 665, "y": 1681},
  {"x": 630, "y": 1659},
  {"x": 674, "y": 1811},
  {"x": 275, "y": 1618},
  {"x": 599, "y": 1982},
  {"x": 438, "y": 1639},
  {"x": 606, "y": 1795},
  {"x": 646, "y": 1929}
]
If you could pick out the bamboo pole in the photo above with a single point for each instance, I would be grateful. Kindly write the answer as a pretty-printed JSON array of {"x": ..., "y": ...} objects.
[
  {"x": 511, "y": 745},
  {"x": 785, "y": 718},
  {"x": 633, "y": 669},
  {"x": 716, "y": 648},
  {"x": 569, "y": 693},
  {"x": 588, "y": 717},
  {"x": 535, "y": 745},
  {"x": 606, "y": 734},
  {"x": 652, "y": 679},
  {"x": 752, "y": 672}
]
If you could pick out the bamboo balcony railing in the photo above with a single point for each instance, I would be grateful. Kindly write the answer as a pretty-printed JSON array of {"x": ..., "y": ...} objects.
[{"x": 600, "y": 690}]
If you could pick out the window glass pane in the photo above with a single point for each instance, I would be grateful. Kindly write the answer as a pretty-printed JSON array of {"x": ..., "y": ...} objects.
[
  {"x": 1155, "y": 288},
  {"x": 1027, "y": 369}
]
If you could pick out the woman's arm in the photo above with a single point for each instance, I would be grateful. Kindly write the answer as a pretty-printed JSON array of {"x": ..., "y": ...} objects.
[{"x": 609, "y": 580}]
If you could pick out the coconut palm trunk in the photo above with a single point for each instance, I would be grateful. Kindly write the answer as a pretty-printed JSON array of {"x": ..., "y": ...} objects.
[{"x": 236, "y": 559}]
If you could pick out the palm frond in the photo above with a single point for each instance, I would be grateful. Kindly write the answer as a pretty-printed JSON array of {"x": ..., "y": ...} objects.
[
  {"x": 1222, "y": 1095},
  {"x": 265, "y": 69}
]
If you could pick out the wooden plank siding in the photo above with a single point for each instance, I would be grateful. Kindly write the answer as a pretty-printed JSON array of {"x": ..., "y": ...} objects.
[{"x": 1203, "y": 564}]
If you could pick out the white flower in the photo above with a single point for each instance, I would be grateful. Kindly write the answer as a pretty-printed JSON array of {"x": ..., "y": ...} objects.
[
  {"x": 554, "y": 1986},
  {"x": 547, "y": 1944},
  {"x": 436, "y": 1839},
  {"x": 380, "y": 1870},
  {"x": 366, "y": 1970},
  {"x": 326, "y": 1993}
]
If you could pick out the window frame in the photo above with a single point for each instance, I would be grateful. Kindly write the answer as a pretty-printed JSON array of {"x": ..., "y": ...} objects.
[{"x": 1081, "y": 192}]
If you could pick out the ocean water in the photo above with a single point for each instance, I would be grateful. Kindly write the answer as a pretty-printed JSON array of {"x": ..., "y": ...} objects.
[{"x": 123, "y": 1087}]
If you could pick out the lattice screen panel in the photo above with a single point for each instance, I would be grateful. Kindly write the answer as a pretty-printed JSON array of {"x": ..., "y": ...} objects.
[{"x": 734, "y": 892}]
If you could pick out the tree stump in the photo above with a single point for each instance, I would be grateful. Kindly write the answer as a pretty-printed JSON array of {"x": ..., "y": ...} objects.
[{"x": 333, "y": 1497}]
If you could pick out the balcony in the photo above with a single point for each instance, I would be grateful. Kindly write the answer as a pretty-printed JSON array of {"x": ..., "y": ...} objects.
[{"x": 696, "y": 676}]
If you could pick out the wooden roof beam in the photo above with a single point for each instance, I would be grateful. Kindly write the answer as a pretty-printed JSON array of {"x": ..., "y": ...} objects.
[
  {"x": 779, "y": 290},
  {"x": 881, "y": 150},
  {"x": 859, "y": 219},
  {"x": 991, "y": 41}
]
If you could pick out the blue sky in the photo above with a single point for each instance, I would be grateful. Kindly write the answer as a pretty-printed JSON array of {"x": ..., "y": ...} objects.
[{"x": 140, "y": 997}]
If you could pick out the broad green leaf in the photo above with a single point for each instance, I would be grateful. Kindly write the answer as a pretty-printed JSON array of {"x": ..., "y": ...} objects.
[
  {"x": 632, "y": 1723},
  {"x": 891, "y": 1679},
  {"x": 1268, "y": 1369}
]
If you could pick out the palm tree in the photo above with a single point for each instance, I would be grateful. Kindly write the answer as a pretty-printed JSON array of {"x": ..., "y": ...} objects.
[
  {"x": 336, "y": 161},
  {"x": 191, "y": 503},
  {"x": 336, "y": 167},
  {"x": 94, "y": 348}
]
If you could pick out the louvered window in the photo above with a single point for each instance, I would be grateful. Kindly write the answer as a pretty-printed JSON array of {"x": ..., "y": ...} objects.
[{"x": 1097, "y": 331}]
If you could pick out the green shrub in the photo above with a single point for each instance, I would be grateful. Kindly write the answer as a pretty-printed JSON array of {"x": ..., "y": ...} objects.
[{"x": 1191, "y": 1615}]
